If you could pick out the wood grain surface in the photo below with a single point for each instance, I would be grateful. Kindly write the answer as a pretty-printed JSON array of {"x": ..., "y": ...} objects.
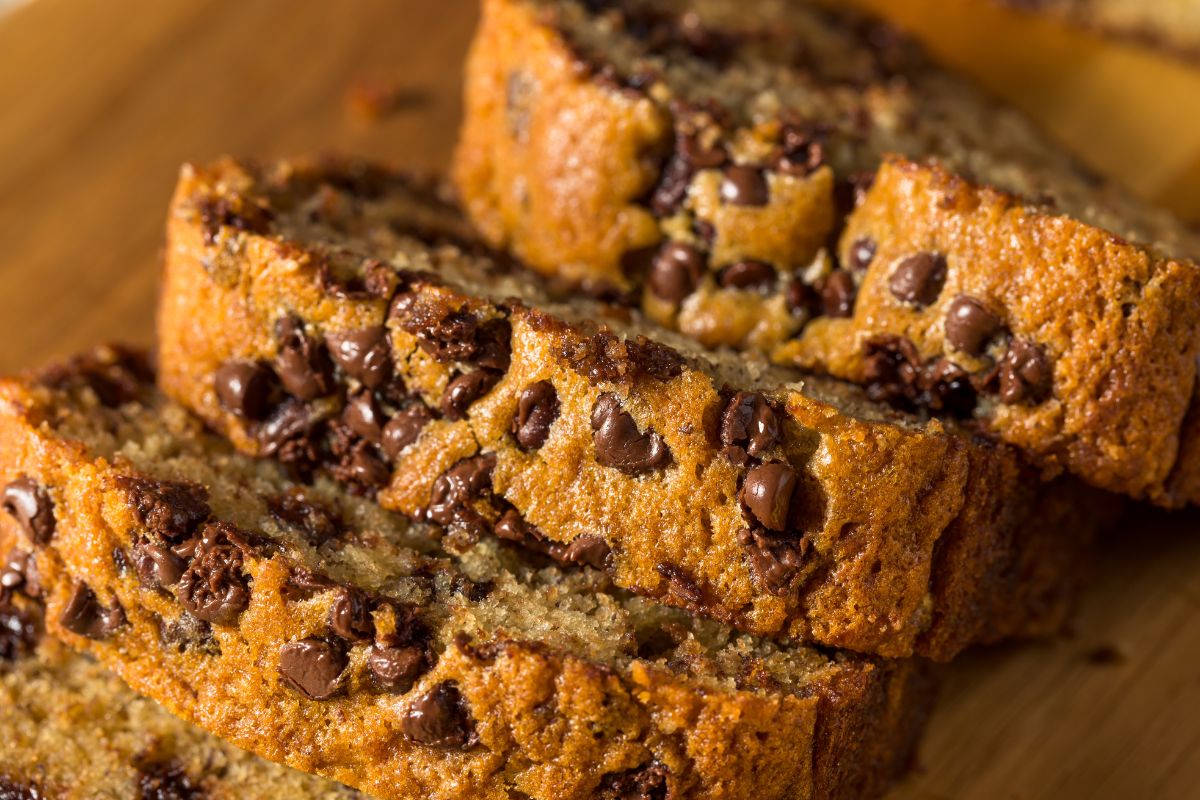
[{"x": 100, "y": 102}]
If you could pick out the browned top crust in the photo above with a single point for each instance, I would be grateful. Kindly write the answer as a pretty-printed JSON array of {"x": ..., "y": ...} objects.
[
  {"x": 317, "y": 630},
  {"x": 725, "y": 163},
  {"x": 1173, "y": 25},
  {"x": 785, "y": 505}
]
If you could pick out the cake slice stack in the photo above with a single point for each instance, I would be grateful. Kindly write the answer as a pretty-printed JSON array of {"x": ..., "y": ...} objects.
[{"x": 806, "y": 366}]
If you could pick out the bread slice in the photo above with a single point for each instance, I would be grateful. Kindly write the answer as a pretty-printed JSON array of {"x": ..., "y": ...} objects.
[
  {"x": 338, "y": 316},
  {"x": 317, "y": 630},
  {"x": 799, "y": 181},
  {"x": 1170, "y": 25},
  {"x": 74, "y": 731}
]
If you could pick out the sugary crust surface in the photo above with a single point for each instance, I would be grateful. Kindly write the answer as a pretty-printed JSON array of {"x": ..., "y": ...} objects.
[
  {"x": 881, "y": 495},
  {"x": 74, "y": 731},
  {"x": 532, "y": 720},
  {"x": 1114, "y": 413},
  {"x": 1123, "y": 352}
]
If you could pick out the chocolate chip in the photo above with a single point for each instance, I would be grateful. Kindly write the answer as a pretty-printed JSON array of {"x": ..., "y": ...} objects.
[
  {"x": 745, "y": 186},
  {"x": 837, "y": 294},
  {"x": 454, "y": 334},
  {"x": 464, "y": 390},
  {"x": 316, "y": 524},
  {"x": 363, "y": 467},
  {"x": 619, "y": 443},
  {"x": 537, "y": 408},
  {"x": 303, "y": 364},
  {"x": 396, "y": 669},
  {"x": 313, "y": 666},
  {"x": 404, "y": 429},
  {"x": 363, "y": 354},
  {"x": 20, "y": 574},
  {"x": 166, "y": 780},
  {"x": 1025, "y": 373},
  {"x": 644, "y": 783},
  {"x": 245, "y": 388},
  {"x": 439, "y": 718},
  {"x": 801, "y": 152},
  {"x": 802, "y": 299},
  {"x": 350, "y": 616},
  {"x": 589, "y": 549},
  {"x": 171, "y": 510},
  {"x": 363, "y": 416},
  {"x": 969, "y": 324},
  {"x": 948, "y": 388},
  {"x": 680, "y": 584},
  {"x": 18, "y": 633},
  {"x": 28, "y": 502},
  {"x": 157, "y": 566},
  {"x": 456, "y": 488},
  {"x": 862, "y": 253},
  {"x": 774, "y": 563},
  {"x": 918, "y": 279},
  {"x": 85, "y": 616},
  {"x": 747, "y": 275},
  {"x": 675, "y": 271},
  {"x": 767, "y": 494},
  {"x": 215, "y": 587},
  {"x": 749, "y": 422},
  {"x": 292, "y": 434},
  {"x": 892, "y": 369}
]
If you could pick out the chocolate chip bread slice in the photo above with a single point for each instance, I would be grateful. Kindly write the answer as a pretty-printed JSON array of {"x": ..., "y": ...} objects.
[
  {"x": 74, "y": 731},
  {"x": 317, "y": 630},
  {"x": 338, "y": 317},
  {"x": 719, "y": 160}
]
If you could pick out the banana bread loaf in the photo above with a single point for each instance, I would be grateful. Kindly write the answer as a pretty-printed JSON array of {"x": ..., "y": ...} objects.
[
  {"x": 74, "y": 731},
  {"x": 717, "y": 162},
  {"x": 338, "y": 316},
  {"x": 318, "y": 630}
]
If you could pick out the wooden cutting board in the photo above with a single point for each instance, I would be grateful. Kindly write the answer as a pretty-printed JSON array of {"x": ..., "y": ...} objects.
[{"x": 100, "y": 102}]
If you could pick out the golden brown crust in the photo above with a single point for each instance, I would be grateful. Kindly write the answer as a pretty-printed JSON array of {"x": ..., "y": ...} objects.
[
  {"x": 1167, "y": 25},
  {"x": 548, "y": 724},
  {"x": 1113, "y": 415},
  {"x": 877, "y": 492},
  {"x": 1123, "y": 353}
]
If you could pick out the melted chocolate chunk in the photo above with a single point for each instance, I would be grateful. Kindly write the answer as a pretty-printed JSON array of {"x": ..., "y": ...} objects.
[
  {"x": 455, "y": 490},
  {"x": 747, "y": 275},
  {"x": 312, "y": 521},
  {"x": 216, "y": 588},
  {"x": 801, "y": 151},
  {"x": 292, "y": 435},
  {"x": 948, "y": 387},
  {"x": 895, "y": 374},
  {"x": 28, "y": 502},
  {"x": 838, "y": 292},
  {"x": 404, "y": 429},
  {"x": 970, "y": 324},
  {"x": 440, "y": 718},
  {"x": 231, "y": 212},
  {"x": 449, "y": 334},
  {"x": 171, "y": 510},
  {"x": 918, "y": 279},
  {"x": 745, "y": 186},
  {"x": 464, "y": 390},
  {"x": 245, "y": 389},
  {"x": 862, "y": 253},
  {"x": 313, "y": 666},
  {"x": 167, "y": 780},
  {"x": 619, "y": 443},
  {"x": 350, "y": 616},
  {"x": 537, "y": 408},
  {"x": 157, "y": 565},
  {"x": 361, "y": 466},
  {"x": 1026, "y": 375},
  {"x": 644, "y": 783},
  {"x": 303, "y": 364},
  {"x": 365, "y": 355},
  {"x": 18, "y": 632},
  {"x": 396, "y": 669},
  {"x": 750, "y": 423},
  {"x": 363, "y": 416},
  {"x": 767, "y": 494},
  {"x": 775, "y": 563},
  {"x": 84, "y": 615},
  {"x": 376, "y": 282},
  {"x": 20, "y": 574},
  {"x": 675, "y": 271},
  {"x": 114, "y": 374},
  {"x": 802, "y": 299},
  {"x": 690, "y": 155},
  {"x": 588, "y": 549},
  {"x": 680, "y": 584}
]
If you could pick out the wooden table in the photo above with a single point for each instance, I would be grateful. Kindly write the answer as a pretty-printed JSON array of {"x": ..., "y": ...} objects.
[{"x": 100, "y": 102}]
